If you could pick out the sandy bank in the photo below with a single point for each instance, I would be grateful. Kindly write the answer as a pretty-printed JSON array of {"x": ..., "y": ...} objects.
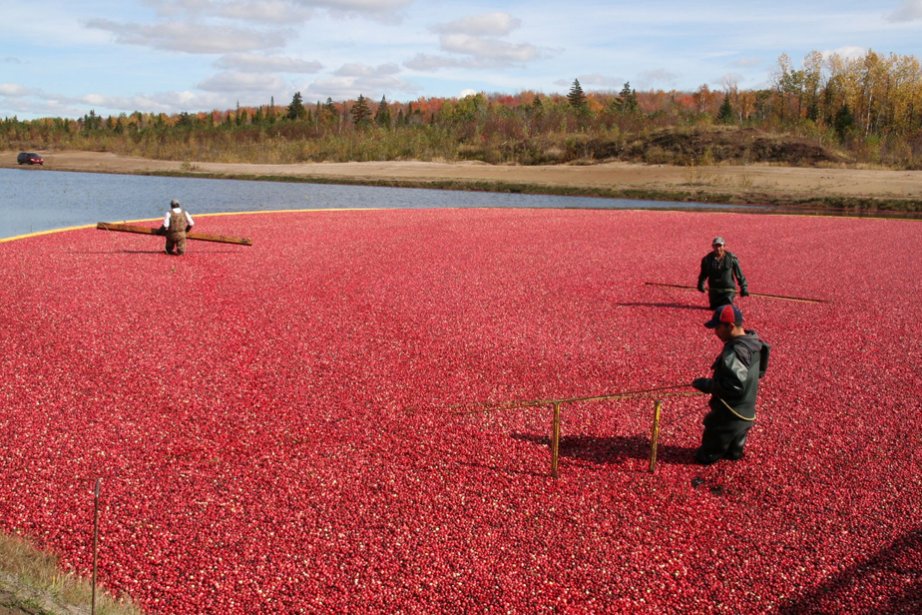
[{"x": 752, "y": 184}]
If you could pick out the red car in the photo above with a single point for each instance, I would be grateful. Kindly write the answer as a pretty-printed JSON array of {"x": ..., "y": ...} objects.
[{"x": 29, "y": 158}]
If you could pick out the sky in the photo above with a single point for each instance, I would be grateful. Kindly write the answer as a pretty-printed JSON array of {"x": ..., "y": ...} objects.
[{"x": 64, "y": 58}]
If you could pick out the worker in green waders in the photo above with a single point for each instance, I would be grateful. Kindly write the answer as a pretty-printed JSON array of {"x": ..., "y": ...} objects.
[{"x": 722, "y": 271}]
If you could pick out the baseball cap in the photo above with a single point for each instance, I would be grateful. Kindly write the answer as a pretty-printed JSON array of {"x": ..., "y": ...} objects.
[
  {"x": 729, "y": 314},
  {"x": 718, "y": 241}
]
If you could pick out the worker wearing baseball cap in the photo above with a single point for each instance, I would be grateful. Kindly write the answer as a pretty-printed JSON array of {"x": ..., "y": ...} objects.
[
  {"x": 733, "y": 386},
  {"x": 722, "y": 271}
]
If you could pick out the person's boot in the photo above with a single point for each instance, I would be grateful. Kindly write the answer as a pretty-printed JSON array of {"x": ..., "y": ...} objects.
[
  {"x": 735, "y": 451},
  {"x": 706, "y": 458}
]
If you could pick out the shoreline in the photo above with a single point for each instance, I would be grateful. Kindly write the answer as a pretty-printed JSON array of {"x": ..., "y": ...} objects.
[{"x": 798, "y": 189}]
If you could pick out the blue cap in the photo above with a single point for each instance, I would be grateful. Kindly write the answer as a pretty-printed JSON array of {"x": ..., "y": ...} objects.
[{"x": 729, "y": 314}]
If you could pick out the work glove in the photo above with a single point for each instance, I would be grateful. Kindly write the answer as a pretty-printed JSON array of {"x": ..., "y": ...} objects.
[
  {"x": 702, "y": 384},
  {"x": 700, "y": 288},
  {"x": 189, "y": 228},
  {"x": 744, "y": 292},
  {"x": 160, "y": 231}
]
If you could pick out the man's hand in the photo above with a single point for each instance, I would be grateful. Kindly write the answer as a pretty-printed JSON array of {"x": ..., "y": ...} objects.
[
  {"x": 701, "y": 287},
  {"x": 702, "y": 384},
  {"x": 744, "y": 292},
  {"x": 189, "y": 228},
  {"x": 160, "y": 231}
]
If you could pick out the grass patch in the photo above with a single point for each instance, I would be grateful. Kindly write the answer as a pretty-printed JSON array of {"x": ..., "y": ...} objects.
[{"x": 31, "y": 581}]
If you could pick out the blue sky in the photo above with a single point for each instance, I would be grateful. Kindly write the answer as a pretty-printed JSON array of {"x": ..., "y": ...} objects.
[{"x": 63, "y": 58}]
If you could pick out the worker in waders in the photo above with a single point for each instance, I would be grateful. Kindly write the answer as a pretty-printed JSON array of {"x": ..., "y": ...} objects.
[
  {"x": 733, "y": 387},
  {"x": 176, "y": 223},
  {"x": 722, "y": 271}
]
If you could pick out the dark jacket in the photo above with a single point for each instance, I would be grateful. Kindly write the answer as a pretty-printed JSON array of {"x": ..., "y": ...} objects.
[
  {"x": 720, "y": 273},
  {"x": 735, "y": 383}
]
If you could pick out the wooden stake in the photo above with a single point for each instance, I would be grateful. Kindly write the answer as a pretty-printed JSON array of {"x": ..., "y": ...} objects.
[
  {"x": 654, "y": 437},
  {"x": 555, "y": 440},
  {"x": 95, "y": 544},
  {"x": 146, "y": 230}
]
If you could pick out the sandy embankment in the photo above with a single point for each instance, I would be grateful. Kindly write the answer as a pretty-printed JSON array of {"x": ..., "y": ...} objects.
[{"x": 753, "y": 183}]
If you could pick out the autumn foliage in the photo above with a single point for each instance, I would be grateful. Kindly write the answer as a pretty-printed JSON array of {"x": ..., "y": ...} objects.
[
  {"x": 865, "y": 109},
  {"x": 288, "y": 427}
]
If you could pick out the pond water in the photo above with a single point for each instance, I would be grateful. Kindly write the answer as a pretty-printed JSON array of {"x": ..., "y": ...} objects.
[{"x": 33, "y": 200}]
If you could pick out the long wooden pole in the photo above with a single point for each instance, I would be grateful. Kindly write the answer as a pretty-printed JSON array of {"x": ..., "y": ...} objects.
[
  {"x": 766, "y": 295},
  {"x": 95, "y": 544},
  {"x": 555, "y": 440},
  {"x": 146, "y": 230},
  {"x": 654, "y": 437},
  {"x": 530, "y": 403}
]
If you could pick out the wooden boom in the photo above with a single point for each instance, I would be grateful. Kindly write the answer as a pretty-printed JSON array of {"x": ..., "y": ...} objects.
[{"x": 146, "y": 230}]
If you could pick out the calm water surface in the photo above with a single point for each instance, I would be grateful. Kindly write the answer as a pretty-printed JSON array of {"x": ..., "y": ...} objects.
[{"x": 34, "y": 200}]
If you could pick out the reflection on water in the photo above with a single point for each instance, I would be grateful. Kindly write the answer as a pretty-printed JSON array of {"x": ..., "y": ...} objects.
[{"x": 34, "y": 200}]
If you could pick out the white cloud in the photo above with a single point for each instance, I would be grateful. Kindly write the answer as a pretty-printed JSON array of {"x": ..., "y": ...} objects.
[
  {"x": 272, "y": 11},
  {"x": 488, "y": 24},
  {"x": 490, "y": 49},
  {"x": 476, "y": 42},
  {"x": 93, "y": 99},
  {"x": 278, "y": 11},
  {"x": 430, "y": 62},
  {"x": 368, "y": 7},
  {"x": 910, "y": 10},
  {"x": 161, "y": 102},
  {"x": 229, "y": 81},
  {"x": 598, "y": 81},
  {"x": 192, "y": 37},
  {"x": 353, "y": 79},
  {"x": 363, "y": 70},
  {"x": 848, "y": 53},
  {"x": 657, "y": 77},
  {"x": 256, "y": 63},
  {"x": 14, "y": 90},
  {"x": 267, "y": 11}
]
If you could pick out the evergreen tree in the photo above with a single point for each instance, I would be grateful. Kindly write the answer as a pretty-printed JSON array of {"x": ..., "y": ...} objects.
[
  {"x": 383, "y": 114},
  {"x": 844, "y": 122},
  {"x": 296, "y": 109},
  {"x": 361, "y": 114},
  {"x": 576, "y": 97},
  {"x": 329, "y": 110},
  {"x": 725, "y": 113},
  {"x": 628, "y": 98}
]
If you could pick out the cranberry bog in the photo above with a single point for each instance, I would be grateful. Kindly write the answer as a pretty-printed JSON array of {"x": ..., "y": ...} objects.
[{"x": 300, "y": 425}]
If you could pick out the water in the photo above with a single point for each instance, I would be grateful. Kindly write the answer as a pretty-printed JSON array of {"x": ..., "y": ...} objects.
[{"x": 33, "y": 200}]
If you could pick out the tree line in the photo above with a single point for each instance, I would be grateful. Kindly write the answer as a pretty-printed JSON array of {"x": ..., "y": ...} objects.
[{"x": 869, "y": 108}]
